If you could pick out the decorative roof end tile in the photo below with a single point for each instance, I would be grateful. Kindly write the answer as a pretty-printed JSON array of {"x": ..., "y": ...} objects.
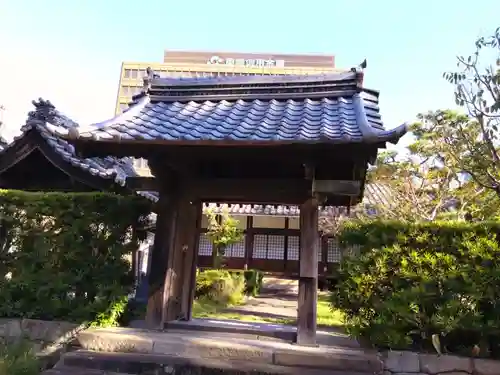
[
  {"x": 150, "y": 75},
  {"x": 44, "y": 111}
]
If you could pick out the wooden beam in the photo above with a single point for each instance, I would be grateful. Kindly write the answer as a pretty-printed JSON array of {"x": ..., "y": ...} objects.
[
  {"x": 337, "y": 187},
  {"x": 271, "y": 191},
  {"x": 308, "y": 274}
]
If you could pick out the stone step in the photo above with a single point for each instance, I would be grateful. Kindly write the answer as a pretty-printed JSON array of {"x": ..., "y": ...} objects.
[
  {"x": 215, "y": 348},
  {"x": 68, "y": 370},
  {"x": 98, "y": 363}
]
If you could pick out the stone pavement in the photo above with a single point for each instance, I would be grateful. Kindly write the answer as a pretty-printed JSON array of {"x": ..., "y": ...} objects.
[
  {"x": 277, "y": 300},
  {"x": 279, "y": 285},
  {"x": 256, "y": 330}
]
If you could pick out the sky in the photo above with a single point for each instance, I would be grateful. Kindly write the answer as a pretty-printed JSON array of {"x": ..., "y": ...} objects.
[{"x": 70, "y": 52}]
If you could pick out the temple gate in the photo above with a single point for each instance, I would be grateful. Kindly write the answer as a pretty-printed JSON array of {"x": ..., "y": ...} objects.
[{"x": 293, "y": 140}]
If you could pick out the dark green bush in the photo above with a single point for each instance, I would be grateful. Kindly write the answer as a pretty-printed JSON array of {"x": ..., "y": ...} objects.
[
  {"x": 220, "y": 286},
  {"x": 69, "y": 259},
  {"x": 253, "y": 282},
  {"x": 410, "y": 282}
]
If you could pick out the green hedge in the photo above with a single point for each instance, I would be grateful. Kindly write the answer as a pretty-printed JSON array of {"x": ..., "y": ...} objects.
[
  {"x": 411, "y": 282},
  {"x": 70, "y": 254}
]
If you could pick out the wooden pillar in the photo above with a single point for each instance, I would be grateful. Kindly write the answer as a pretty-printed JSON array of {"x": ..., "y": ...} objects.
[
  {"x": 248, "y": 242},
  {"x": 308, "y": 276},
  {"x": 191, "y": 242},
  {"x": 179, "y": 278},
  {"x": 159, "y": 259}
]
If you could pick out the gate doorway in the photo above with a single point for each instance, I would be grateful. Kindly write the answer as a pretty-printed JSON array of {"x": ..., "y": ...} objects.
[{"x": 270, "y": 242}]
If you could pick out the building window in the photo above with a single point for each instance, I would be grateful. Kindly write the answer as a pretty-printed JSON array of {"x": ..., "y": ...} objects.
[
  {"x": 126, "y": 74},
  {"x": 204, "y": 246},
  {"x": 125, "y": 90},
  {"x": 268, "y": 247},
  {"x": 133, "y": 74}
]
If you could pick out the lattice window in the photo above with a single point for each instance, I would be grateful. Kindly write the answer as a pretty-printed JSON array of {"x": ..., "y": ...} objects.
[
  {"x": 334, "y": 251},
  {"x": 205, "y": 246},
  {"x": 236, "y": 250},
  {"x": 275, "y": 247},
  {"x": 259, "y": 246},
  {"x": 293, "y": 247}
]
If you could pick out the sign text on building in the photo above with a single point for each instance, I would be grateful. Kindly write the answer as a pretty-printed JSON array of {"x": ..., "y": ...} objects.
[{"x": 251, "y": 63}]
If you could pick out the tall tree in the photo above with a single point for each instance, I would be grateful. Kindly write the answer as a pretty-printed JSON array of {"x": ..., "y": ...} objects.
[
  {"x": 420, "y": 184},
  {"x": 446, "y": 141},
  {"x": 427, "y": 182},
  {"x": 472, "y": 140}
]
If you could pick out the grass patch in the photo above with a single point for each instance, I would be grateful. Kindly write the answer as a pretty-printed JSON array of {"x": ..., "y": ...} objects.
[
  {"x": 327, "y": 316},
  {"x": 204, "y": 308},
  {"x": 18, "y": 358}
]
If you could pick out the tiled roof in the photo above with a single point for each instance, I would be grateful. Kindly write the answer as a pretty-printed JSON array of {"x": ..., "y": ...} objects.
[
  {"x": 45, "y": 115},
  {"x": 329, "y": 108}
]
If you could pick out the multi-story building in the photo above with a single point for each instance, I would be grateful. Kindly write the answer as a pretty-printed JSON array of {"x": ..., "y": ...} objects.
[{"x": 202, "y": 64}]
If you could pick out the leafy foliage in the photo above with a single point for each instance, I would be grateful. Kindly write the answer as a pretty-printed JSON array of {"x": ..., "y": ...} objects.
[
  {"x": 220, "y": 286},
  {"x": 412, "y": 281},
  {"x": 65, "y": 255},
  {"x": 222, "y": 231},
  {"x": 253, "y": 282}
]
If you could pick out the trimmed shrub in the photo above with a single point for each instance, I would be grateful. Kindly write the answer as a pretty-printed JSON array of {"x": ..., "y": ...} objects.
[
  {"x": 431, "y": 286},
  {"x": 64, "y": 255},
  {"x": 220, "y": 286}
]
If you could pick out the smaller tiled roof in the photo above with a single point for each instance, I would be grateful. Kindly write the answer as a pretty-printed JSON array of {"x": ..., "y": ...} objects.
[
  {"x": 375, "y": 195},
  {"x": 328, "y": 108},
  {"x": 46, "y": 115}
]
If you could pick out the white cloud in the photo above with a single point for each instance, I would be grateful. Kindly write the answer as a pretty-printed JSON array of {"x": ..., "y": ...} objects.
[{"x": 80, "y": 84}]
